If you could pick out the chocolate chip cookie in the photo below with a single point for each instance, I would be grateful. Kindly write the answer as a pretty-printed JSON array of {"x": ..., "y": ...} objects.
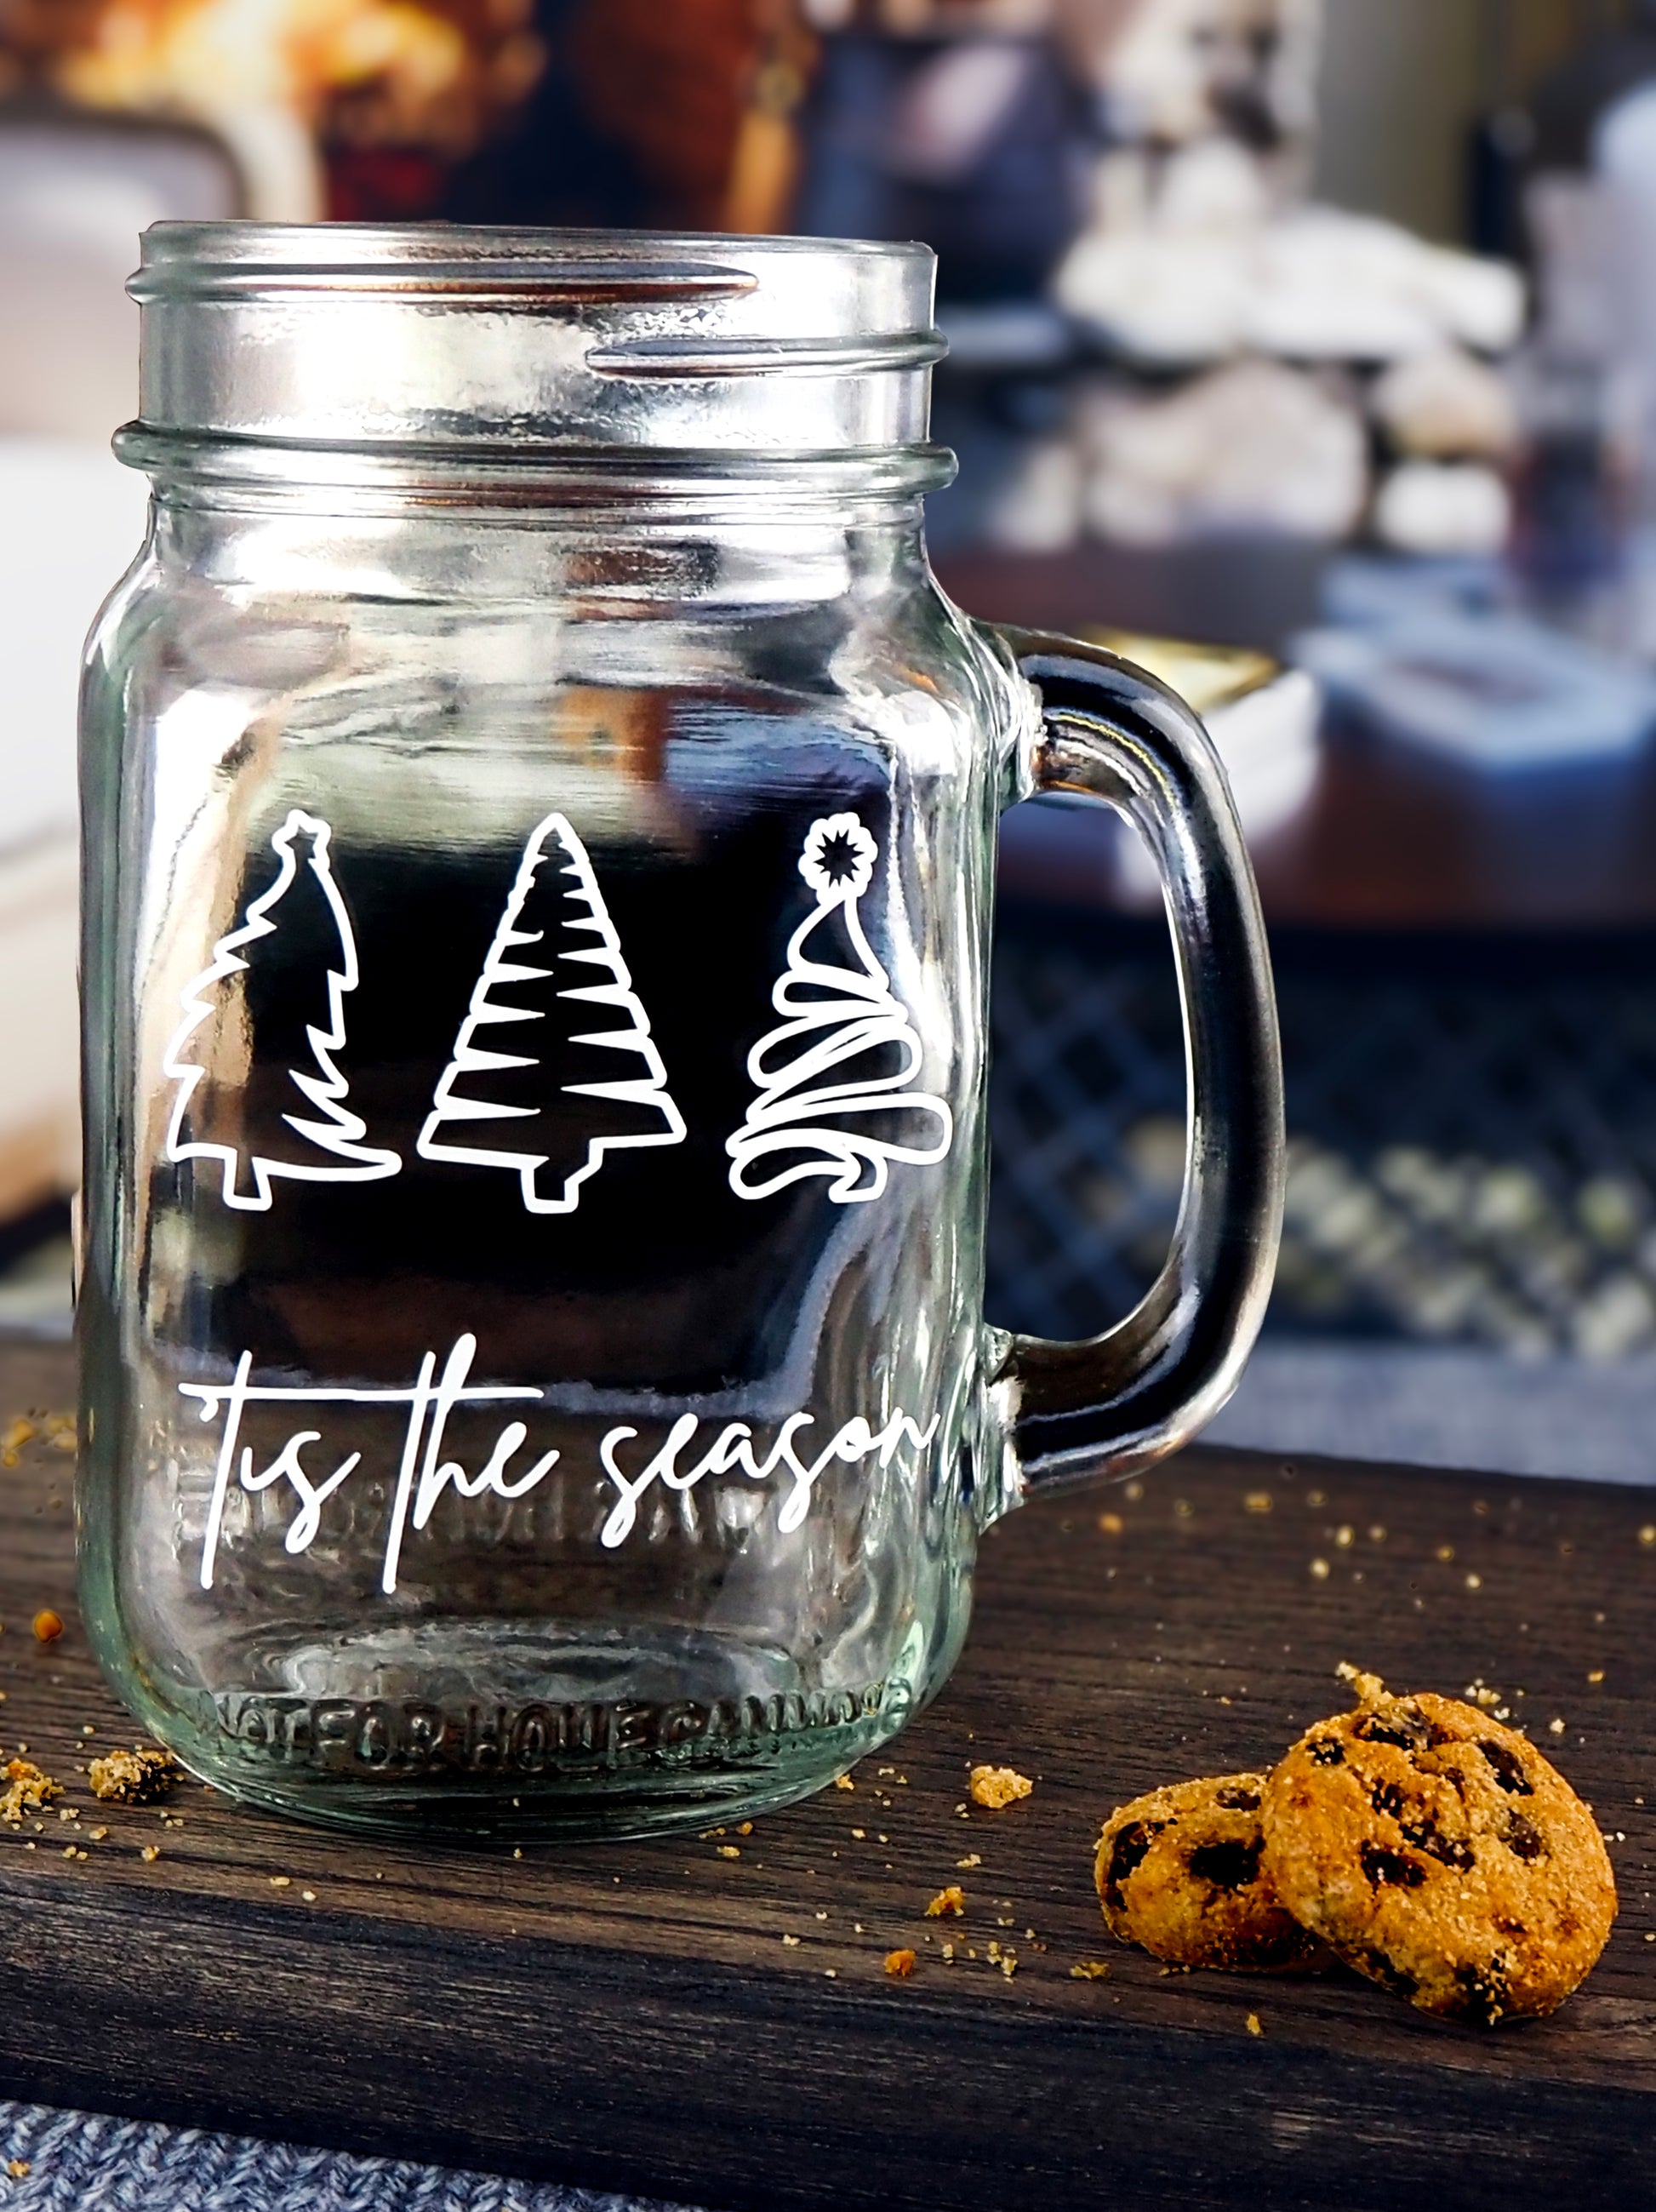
[
  {"x": 1178, "y": 1871},
  {"x": 1440, "y": 1854}
]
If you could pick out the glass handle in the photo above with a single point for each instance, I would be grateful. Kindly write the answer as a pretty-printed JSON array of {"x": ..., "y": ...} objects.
[{"x": 1146, "y": 1386}]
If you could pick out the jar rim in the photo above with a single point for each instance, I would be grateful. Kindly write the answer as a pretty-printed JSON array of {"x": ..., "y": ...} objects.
[
  {"x": 439, "y": 335},
  {"x": 181, "y": 258}
]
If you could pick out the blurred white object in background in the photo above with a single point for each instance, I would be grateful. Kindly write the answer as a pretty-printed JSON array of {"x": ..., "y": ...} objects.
[
  {"x": 1314, "y": 284},
  {"x": 1263, "y": 720},
  {"x": 39, "y": 1126},
  {"x": 1268, "y": 742},
  {"x": 1171, "y": 70},
  {"x": 1039, "y": 509},
  {"x": 1624, "y": 157},
  {"x": 1171, "y": 302},
  {"x": 1445, "y": 406},
  {"x": 1213, "y": 185},
  {"x": 1357, "y": 288},
  {"x": 1495, "y": 692},
  {"x": 75, "y": 519},
  {"x": 1250, "y": 446},
  {"x": 1440, "y": 507},
  {"x": 74, "y": 195}
]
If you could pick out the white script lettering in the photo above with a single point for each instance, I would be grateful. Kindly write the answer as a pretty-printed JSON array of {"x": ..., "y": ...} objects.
[
  {"x": 424, "y": 1473},
  {"x": 733, "y": 1448}
]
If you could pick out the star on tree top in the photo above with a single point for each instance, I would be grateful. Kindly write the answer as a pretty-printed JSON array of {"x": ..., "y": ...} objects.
[{"x": 838, "y": 857}]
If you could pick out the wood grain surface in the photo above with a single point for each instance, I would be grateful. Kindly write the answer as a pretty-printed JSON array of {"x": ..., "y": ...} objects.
[{"x": 662, "y": 2018}]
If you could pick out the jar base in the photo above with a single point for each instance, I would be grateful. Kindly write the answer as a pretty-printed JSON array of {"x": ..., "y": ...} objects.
[
  {"x": 627, "y": 1800},
  {"x": 513, "y": 1730}
]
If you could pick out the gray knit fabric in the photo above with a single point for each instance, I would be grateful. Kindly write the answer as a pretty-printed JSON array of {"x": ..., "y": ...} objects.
[
  {"x": 83, "y": 2162},
  {"x": 1448, "y": 1406}
]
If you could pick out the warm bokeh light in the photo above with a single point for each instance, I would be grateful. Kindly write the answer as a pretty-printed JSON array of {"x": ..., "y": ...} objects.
[{"x": 276, "y": 77}]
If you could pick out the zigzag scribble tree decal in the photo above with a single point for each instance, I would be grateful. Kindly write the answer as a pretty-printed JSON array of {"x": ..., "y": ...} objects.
[{"x": 555, "y": 966}]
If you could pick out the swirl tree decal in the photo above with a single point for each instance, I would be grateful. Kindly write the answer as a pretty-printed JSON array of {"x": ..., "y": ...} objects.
[{"x": 833, "y": 1093}]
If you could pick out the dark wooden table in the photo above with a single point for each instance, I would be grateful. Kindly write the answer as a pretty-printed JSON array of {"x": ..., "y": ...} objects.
[
  {"x": 1391, "y": 839},
  {"x": 635, "y": 2016}
]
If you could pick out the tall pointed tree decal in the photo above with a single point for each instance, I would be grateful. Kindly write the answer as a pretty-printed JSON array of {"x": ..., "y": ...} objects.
[
  {"x": 261, "y": 1027},
  {"x": 554, "y": 1062},
  {"x": 833, "y": 1084}
]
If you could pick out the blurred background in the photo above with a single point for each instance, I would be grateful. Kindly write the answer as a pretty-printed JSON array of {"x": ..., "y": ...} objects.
[{"x": 1304, "y": 348}]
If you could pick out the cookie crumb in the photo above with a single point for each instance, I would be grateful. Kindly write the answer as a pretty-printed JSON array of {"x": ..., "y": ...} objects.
[
  {"x": 19, "y": 2168},
  {"x": 1370, "y": 1688},
  {"x": 730, "y": 1851},
  {"x": 844, "y": 1782},
  {"x": 1257, "y": 1501},
  {"x": 951, "y": 1900},
  {"x": 150, "y": 1853},
  {"x": 997, "y": 1786},
  {"x": 48, "y": 1626},
  {"x": 27, "y": 1790},
  {"x": 1556, "y": 1727},
  {"x": 1111, "y": 1524},
  {"x": 1090, "y": 1970},
  {"x": 972, "y": 1859},
  {"x": 1319, "y": 1570},
  {"x": 899, "y": 1964},
  {"x": 1254, "y": 2027},
  {"x": 137, "y": 1777}
]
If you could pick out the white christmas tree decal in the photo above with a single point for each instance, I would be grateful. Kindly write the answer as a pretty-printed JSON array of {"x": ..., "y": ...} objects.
[
  {"x": 325, "y": 1142},
  {"x": 847, "y": 1050},
  {"x": 558, "y": 957}
]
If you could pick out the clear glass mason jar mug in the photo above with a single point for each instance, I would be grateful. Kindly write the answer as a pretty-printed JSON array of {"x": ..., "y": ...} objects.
[{"x": 540, "y": 818}]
